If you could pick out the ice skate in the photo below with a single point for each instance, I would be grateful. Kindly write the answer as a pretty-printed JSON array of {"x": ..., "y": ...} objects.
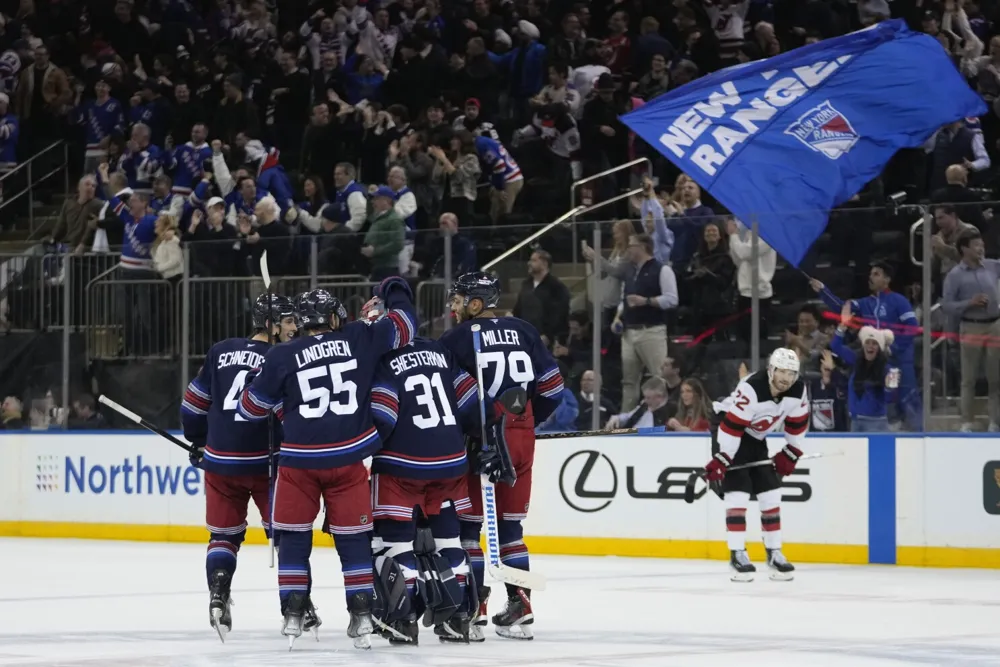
[
  {"x": 514, "y": 620},
  {"x": 477, "y": 628},
  {"x": 743, "y": 569},
  {"x": 311, "y": 621},
  {"x": 298, "y": 612},
  {"x": 404, "y": 631},
  {"x": 456, "y": 630},
  {"x": 781, "y": 569},
  {"x": 219, "y": 602},
  {"x": 360, "y": 627}
]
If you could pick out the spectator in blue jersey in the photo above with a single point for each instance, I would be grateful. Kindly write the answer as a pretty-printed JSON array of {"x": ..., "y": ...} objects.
[
  {"x": 563, "y": 418},
  {"x": 828, "y": 397},
  {"x": 188, "y": 161},
  {"x": 241, "y": 203},
  {"x": 873, "y": 378},
  {"x": 101, "y": 118},
  {"x": 271, "y": 178},
  {"x": 504, "y": 175},
  {"x": 152, "y": 109},
  {"x": 9, "y": 131},
  {"x": 142, "y": 161},
  {"x": 162, "y": 197},
  {"x": 364, "y": 80},
  {"x": 885, "y": 309}
]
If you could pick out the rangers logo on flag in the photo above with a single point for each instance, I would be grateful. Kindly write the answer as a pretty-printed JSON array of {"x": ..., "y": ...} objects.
[{"x": 825, "y": 130}]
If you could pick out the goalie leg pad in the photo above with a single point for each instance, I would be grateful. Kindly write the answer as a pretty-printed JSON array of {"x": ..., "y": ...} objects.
[{"x": 396, "y": 571}]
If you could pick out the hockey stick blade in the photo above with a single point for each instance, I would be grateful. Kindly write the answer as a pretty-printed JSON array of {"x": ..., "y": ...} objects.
[
  {"x": 133, "y": 417},
  {"x": 264, "y": 273},
  {"x": 494, "y": 565},
  {"x": 690, "y": 486}
]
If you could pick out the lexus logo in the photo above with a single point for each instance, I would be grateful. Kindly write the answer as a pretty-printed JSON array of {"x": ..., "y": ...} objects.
[{"x": 576, "y": 470}]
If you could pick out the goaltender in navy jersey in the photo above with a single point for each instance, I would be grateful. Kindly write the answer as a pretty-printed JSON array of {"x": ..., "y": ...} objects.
[
  {"x": 513, "y": 354},
  {"x": 752, "y": 412},
  {"x": 233, "y": 445},
  {"x": 321, "y": 383},
  {"x": 421, "y": 401}
]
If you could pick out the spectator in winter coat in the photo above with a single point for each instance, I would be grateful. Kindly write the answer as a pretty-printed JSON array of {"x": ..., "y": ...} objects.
[
  {"x": 543, "y": 300},
  {"x": 385, "y": 237},
  {"x": 873, "y": 378}
]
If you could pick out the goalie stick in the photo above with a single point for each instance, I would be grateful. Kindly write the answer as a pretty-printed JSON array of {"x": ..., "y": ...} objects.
[
  {"x": 496, "y": 568},
  {"x": 265, "y": 274},
  {"x": 691, "y": 495},
  {"x": 133, "y": 417}
]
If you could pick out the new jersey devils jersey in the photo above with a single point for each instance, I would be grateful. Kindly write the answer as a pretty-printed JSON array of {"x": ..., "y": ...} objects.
[
  {"x": 422, "y": 402},
  {"x": 321, "y": 385},
  {"x": 513, "y": 354},
  {"x": 752, "y": 411},
  {"x": 233, "y": 445}
]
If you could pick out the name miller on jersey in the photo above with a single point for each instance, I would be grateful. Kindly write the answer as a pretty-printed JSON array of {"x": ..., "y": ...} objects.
[
  {"x": 500, "y": 337},
  {"x": 322, "y": 350},
  {"x": 405, "y": 362},
  {"x": 247, "y": 358}
]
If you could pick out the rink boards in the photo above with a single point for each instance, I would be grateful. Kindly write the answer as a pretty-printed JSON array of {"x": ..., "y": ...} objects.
[{"x": 871, "y": 499}]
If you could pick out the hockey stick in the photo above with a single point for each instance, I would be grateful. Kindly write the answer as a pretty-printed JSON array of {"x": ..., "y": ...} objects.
[
  {"x": 690, "y": 494},
  {"x": 131, "y": 416},
  {"x": 266, "y": 275},
  {"x": 496, "y": 568},
  {"x": 591, "y": 434}
]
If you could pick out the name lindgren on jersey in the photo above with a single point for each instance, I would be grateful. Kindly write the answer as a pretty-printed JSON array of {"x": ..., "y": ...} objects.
[
  {"x": 233, "y": 445},
  {"x": 422, "y": 402},
  {"x": 751, "y": 410},
  {"x": 320, "y": 384}
]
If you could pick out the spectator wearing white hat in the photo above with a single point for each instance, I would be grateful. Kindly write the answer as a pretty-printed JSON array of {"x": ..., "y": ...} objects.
[
  {"x": 525, "y": 67},
  {"x": 873, "y": 379}
]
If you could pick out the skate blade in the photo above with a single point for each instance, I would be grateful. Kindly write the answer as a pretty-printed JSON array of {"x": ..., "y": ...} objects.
[
  {"x": 782, "y": 576},
  {"x": 477, "y": 633},
  {"x": 521, "y": 632},
  {"x": 363, "y": 642},
  {"x": 389, "y": 633},
  {"x": 742, "y": 577},
  {"x": 217, "y": 624}
]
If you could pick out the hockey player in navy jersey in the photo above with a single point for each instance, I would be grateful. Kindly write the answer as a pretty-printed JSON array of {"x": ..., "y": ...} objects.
[
  {"x": 515, "y": 361},
  {"x": 232, "y": 451},
  {"x": 421, "y": 401},
  {"x": 322, "y": 380},
  {"x": 762, "y": 403}
]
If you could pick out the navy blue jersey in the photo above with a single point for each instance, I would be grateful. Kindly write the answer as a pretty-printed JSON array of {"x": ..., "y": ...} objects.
[
  {"x": 422, "y": 402},
  {"x": 322, "y": 384},
  {"x": 513, "y": 354},
  {"x": 233, "y": 445}
]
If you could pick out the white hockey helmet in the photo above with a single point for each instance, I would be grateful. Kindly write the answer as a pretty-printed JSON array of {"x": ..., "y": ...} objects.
[{"x": 783, "y": 359}]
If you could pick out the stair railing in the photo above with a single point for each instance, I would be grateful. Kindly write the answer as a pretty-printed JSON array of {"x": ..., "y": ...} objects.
[{"x": 36, "y": 169}]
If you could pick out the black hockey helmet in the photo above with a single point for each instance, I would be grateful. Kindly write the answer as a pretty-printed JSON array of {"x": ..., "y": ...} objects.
[
  {"x": 313, "y": 309},
  {"x": 281, "y": 307},
  {"x": 477, "y": 285}
]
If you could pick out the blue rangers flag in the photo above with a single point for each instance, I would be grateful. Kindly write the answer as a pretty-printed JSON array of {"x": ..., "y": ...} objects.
[{"x": 783, "y": 140}]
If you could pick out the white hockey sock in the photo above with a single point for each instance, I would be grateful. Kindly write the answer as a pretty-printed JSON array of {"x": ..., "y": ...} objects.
[
  {"x": 736, "y": 520},
  {"x": 770, "y": 518}
]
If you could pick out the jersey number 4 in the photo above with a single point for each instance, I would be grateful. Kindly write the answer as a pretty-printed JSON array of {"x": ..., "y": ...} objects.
[
  {"x": 322, "y": 395},
  {"x": 233, "y": 397},
  {"x": 428, "y": 388},
  {"x": 518, "y": 363}
]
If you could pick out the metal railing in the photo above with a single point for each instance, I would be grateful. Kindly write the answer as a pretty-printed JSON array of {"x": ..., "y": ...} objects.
[
  {"x": 595, "y": 177},
  {"x": 31, "y": 168}
]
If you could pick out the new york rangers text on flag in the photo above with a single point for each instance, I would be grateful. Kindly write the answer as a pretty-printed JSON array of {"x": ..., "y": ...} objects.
[{"x": 783, "y": 140}]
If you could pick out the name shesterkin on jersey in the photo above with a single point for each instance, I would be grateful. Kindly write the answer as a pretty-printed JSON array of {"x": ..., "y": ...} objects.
[
  {"x": 732, "y": 126},
  {"x": 415, "y": 398},
  {"x": 753, "y": 411},
  {"x": 322, "y": 382}
]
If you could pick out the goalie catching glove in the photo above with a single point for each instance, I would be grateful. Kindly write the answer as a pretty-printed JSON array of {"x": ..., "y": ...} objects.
[
  {"x": 785, "y": 460},
  {"x": 715, "y": 470}
]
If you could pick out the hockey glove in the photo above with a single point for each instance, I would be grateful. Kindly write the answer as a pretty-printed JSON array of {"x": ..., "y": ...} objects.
[
  {"x": 196, "y": 455},
  {"x": 391, "y": 284},
  {"x": 715, "y": 470},
  {"x": 494, "y": 460},
  {"x": 785, "y": 460}
]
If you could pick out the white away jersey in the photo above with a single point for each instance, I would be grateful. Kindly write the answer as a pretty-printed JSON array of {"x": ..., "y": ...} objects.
[{"x": 751, "y": 410}]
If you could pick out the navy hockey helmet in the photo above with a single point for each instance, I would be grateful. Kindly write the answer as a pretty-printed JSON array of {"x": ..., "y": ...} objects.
[
  {"x": 313, "y": 309},
  {"x": 281, "y": 307},
  {"x": 477, "y": 285}
]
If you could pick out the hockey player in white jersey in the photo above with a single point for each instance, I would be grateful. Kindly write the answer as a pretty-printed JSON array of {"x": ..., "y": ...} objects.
[{"x": 762, "y": 403}]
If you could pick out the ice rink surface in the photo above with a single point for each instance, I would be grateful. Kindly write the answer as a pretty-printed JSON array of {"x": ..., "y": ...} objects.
[{"x": 118, "y": 604}]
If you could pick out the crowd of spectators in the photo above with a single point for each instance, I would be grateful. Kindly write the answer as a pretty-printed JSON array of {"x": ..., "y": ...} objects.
[{"x": 354, "y": 126}]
